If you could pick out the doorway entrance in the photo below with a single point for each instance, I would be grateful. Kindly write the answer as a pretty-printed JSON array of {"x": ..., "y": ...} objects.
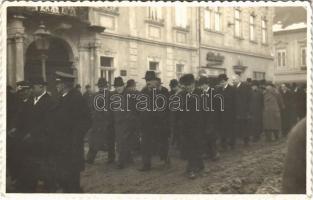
[{"x": 59, "y": 57}]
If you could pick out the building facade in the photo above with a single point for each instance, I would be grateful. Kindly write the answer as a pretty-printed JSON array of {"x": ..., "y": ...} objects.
[
  {"x": 291, "y": 54},
  {"x": 127, "y": 41}
]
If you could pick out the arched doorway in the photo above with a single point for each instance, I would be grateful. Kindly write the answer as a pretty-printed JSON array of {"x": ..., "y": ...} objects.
[{"x": 59, "y": 57}]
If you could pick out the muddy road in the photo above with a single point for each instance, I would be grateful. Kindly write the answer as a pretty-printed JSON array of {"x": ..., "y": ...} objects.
[{"x": 245, "y": 170}]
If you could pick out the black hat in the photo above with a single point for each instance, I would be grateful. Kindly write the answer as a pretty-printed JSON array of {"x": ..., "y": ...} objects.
[
  {"x": 102, "y": 82},
  {"x": 249, "y": 80},
  {"x": 255, "y": 82},
  {"x": 158, "y": 79},
  {"x": 87, "y": 86},
  {"x": 187, "y": 79},
  {"x": 150, "y": 75},
  {"x": 37, "y": 81},
  {"x": 130, "y": 83},
  {"x": 203, "y": 80},
  {"x": 118, "y": 82},
  {"x": 78, "y": 86},
  {"x": 62, "y": 76},
  {"x": 173, "y": 83},
  {"x": 222, "y": 77},
  {"x": 20, "y": 85}
]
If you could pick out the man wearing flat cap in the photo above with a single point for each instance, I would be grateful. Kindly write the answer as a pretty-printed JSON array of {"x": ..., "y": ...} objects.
[
  {"x": 102, "y": 130},
  {"x": 36, "y": 137},
  {"x": 70, "y": 123}
]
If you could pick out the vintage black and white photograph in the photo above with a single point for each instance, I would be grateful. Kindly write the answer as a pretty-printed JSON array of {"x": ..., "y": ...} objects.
[{"x": 152, "y": 98}]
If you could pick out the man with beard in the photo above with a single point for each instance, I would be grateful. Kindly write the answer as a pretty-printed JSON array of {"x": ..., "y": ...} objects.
[
  {"x": 192, "y": 121},
  {"x": 70, "y": 123}
]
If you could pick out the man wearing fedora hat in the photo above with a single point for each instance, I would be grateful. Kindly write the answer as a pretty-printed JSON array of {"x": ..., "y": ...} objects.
[
  {"x": 226, "y": 118},
  {"x": 102, "y": 135},
  {"x": 125, "y": 119},
  {"x": 149, "y": 122},
  {"x": 35, "y": 141},
  {"x": 191, "y": 121},
  {"x": 71, "y": 120},
  {"x": 255, "y": 109}
]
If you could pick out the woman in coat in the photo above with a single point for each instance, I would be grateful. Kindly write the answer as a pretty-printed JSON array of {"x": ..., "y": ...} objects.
[{"x": 271, "y": 112}]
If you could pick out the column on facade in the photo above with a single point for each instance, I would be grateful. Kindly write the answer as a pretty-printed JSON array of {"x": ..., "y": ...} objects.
[
  {"x": 16, "y": 33},
  {"x": 11, "y": 70},
  {"x": 83, "y": 71},
  {"x": 169, "y": 67}
]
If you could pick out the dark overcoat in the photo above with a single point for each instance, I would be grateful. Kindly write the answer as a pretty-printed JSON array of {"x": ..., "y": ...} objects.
[
  {"x": 242, "y": 100},
  {"x": 271, "y": 111},
  {"x": 71, "y": 122},
  {"x": 102, "y": 120},
  {"x": 256, "y": 111}
]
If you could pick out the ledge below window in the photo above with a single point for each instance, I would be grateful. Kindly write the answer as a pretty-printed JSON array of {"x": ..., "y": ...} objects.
[
  {"x": 239, "y": 37},
  {"x": 179, "y": 28},
  {"x": 212, "y": 31},
  {"x": 159, "y": 22}
]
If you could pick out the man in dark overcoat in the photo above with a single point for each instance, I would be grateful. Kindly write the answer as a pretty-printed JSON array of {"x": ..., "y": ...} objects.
[
  {"x": 287, "y": 111},
  {"x": 71, "y": 122},
  {"x": 164, "y": 131},
  {"x": 192, "y": 121},
  {"x": 125, "y": 121},
  {"x": 256, "y": 111},
  {"x": 102, "y": 132},
  {"x": 149, "y": 121},
  {"x": 242, "y": 101},
  {"x": 35, "y": 138},
  {"x": 226, "y": 113},
  {"x": 209, "y": 118}
]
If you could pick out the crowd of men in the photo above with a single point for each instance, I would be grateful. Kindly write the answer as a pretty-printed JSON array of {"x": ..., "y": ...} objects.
[{"x": 45, "y": 140}]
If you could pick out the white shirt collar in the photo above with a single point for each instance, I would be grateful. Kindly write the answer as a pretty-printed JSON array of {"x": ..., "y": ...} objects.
[
  {"x": 63, "y": 95},
  {"x": 226, "y": 86},
  {"x": 238, "y": 85},
  {"x": 36, "y": 99}
]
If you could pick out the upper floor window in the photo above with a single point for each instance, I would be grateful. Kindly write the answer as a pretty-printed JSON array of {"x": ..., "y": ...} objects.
[
  {"x": 207, "y": 19},
  {"x": 217, "y": 19},
  {"x": 181, "y": 16},
  {"x": 258, "y": 75},
  {"x": 303, "y": 56},
  {"x": 237, "y": 23},
  {"x": 264, "y": 31},
  {"x": 155, "y": 13},
  {"x": 212, "y": 19},
  {"x": 281, "y": 58},
  {"x": 252, "y": 27}
]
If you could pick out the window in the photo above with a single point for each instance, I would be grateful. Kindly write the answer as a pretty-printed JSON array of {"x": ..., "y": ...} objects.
[
  {"x": 155, "y": 13},
  {"x": 181, "y": 16},
  {"x": 217, "y": 19},
  {"x": 303, "y": 56},
  {"x": 237, "y": 23},
  {"x": 252, "y": 27},
  {"x": 212, "y": 19},
  {"x": 106, "y": 68},
  {"x": 264, "y": 31},
  {"x": 281, "y": 58},
  {"x": 154, "y": 66},
  {"x": 179, "y": 70},
  {"x": 207, "y": 19},
  {"x": 258, "y": 75}
]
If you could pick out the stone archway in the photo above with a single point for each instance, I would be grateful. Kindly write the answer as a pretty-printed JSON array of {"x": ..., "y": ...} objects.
[{"x": 59, "y": 58}]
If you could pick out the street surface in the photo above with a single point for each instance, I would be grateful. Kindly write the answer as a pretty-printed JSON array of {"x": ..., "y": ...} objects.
[{"x": 254, "y": 169}]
